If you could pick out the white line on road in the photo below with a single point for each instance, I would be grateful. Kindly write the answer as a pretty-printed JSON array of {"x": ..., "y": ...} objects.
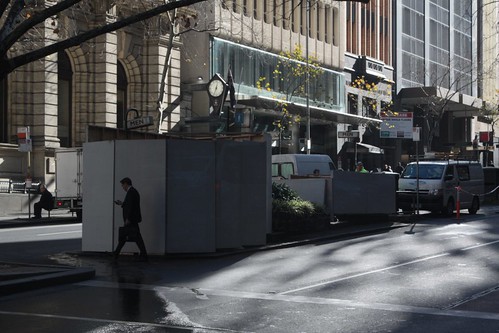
[
  {"x": 364, "y": 273},
  {"x": 301, "y": 299},
  {"x": 323, "y": 283},
  {"x": 479, "y": 245},
  {"x": 59, "y": 233},
  {"x": 122, "y": 324}
]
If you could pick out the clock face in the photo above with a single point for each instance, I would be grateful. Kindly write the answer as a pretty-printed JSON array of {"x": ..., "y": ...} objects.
[{"x": 216, "y": 88}]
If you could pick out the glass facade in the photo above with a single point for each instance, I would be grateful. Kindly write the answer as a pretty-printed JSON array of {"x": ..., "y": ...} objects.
[
  {"x": 413, "y": 49},
  {"x": 249, "y": 65},
  {"x": 447, "y": 60},
  {"x": 439, "y": 60},
  {"x": 462, "y": 36}
]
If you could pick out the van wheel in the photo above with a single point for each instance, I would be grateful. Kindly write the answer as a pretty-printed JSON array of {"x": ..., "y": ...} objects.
[
  {"x": 448, "y": 210},
  {"x": 475, "y": 206}
]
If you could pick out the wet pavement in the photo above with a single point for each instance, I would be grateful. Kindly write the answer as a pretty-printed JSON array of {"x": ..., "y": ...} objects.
[
  {"x": 133, "y": 282},
  {"x": 80, "y": 266}
]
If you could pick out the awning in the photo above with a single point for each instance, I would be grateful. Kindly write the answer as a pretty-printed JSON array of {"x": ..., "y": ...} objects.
[
  {"x": 362, "y": 148},
  {"x": 322, "y": 114},
  {"x": 366, "y": 148},
  {"x": 460, "y": 105}
]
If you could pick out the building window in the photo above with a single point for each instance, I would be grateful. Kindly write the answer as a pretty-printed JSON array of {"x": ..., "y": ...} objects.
[
  {"x": 3, "y": 111},
  {"x": 64, "y": 100},
  {"x": 122, "y": 102}
]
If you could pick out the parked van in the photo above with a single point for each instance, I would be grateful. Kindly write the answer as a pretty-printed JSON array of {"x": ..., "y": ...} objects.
[
  {"x": 285, "y": 165},
  {"x": 438, "y": 181}
]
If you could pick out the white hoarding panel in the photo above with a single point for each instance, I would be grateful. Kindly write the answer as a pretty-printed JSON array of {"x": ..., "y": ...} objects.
[
  {"x": 98, "y": 209},
  {"x": 143, "y": 161}
]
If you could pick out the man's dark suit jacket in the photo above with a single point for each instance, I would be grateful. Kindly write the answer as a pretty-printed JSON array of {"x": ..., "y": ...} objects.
[
  {"x": 131, "y": 206},
  {"x": 46, "y": 200}
]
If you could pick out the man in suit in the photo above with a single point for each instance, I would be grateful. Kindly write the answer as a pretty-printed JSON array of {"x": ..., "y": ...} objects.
[
  {"x": 46, "y": 202},
  {"x": 131, "y": 218}
]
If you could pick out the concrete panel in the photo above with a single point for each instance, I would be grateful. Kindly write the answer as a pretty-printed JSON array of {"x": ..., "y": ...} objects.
[
  {"x": 256, "y": 182},
  {"x": 228, "y": 194},
  {"x": 98, "y": 206},
  {"x": 363, "y": 193},
  {"x": 143, "y": 161},
  {"x": 17, "y": 203},
  {"x": 310, "y": 189},
  {"x": 190, "y": 196}
]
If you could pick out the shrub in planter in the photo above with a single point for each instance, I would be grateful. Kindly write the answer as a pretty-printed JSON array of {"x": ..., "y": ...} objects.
[
  {"x": 283, "y": 192},
  {"x": 292, "y": 214}
]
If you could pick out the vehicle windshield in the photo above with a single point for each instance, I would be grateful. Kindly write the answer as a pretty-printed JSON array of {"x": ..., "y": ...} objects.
[{"x": 425, "y": 171}]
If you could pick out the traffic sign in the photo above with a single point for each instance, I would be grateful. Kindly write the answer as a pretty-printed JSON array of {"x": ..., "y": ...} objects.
[
  {"x": 139, "y": 122},
  {"x": 349, "y": 134}
]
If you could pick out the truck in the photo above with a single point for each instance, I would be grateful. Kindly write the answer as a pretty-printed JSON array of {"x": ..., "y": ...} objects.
[{"x": 68, "y": 180}]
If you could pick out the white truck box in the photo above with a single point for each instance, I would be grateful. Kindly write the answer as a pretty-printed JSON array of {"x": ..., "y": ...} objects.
[{"x": 68, "y": 179}]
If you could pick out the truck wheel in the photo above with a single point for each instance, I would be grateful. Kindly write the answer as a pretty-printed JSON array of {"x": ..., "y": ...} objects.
[
  {"x": 448, "y": 210},
  {"x": 475, "y": 206}
]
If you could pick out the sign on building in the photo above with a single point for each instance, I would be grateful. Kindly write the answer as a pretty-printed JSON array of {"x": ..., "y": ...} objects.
[
  {"x": 396, "y": 125},
  {"x": 24, "y": 139},
  {"x": 348, "y": 134},
  {"x": 139, "y": 122}
]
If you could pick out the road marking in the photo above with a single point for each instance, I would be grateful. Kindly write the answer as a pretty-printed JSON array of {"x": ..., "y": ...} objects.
[
  {"x": 299, "y": 299},
  {"x": 365, "y": 273},
  {"x": 59, "y": 233},
  {"x": 323, "y": 283},
  {"x": 128, "y": 324},
  {"x": 479, "y": 245}
]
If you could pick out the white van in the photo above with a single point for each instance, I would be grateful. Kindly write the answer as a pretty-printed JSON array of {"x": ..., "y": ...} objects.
[
  {"x": 438, "y": 181},
  {"x": 285, "y": 165}
]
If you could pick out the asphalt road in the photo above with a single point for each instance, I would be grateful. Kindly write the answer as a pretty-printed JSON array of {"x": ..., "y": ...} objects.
[{"x": 440, "y": 275}]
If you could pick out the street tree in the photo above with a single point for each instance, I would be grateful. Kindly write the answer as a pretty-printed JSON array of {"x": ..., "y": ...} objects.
[
  {"x": 293, "y": 74},
  {"x": 20, "y": 20}
]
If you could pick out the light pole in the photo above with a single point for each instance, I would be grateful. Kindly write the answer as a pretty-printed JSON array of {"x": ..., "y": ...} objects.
[{"x": 307, "y": 76}]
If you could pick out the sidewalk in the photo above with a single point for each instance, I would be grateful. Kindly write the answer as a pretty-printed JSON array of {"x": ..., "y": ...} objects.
[
  {"x": 16, "y": 277},
  {"x": 25, "y": 219}
]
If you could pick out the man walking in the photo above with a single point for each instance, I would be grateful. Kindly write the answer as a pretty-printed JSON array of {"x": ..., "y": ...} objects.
[{"x": 131, "y": 218}]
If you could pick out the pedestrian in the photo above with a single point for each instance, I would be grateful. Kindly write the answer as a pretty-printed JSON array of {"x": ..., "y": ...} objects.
[
  {"x": 46, "y": 202},
  {"x": 399, "y": 168},
  {"x": 360, "y": 168},
  {"x": 131, "y": 219},
  {"x": 387, "y": 168}
]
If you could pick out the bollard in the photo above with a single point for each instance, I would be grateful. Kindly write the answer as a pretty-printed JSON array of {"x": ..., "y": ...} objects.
[{"x": 458, "y": 202}]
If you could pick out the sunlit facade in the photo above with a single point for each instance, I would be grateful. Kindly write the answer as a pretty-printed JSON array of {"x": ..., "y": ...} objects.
[
  {"x": 437, "y": 70},
  {"x": 249, "y": 39}
]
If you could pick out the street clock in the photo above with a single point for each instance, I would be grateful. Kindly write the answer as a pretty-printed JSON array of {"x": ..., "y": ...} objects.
[{"x": 217, "y": 91}]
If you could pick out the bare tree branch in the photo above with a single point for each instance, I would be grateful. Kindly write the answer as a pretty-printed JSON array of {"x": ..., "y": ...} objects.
[
  {"x": 27, "y": 24},
  {"x": 8, "y": 65}
]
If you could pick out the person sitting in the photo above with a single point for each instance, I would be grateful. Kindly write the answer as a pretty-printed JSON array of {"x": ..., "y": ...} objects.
[{"x": 46, "y": 202}]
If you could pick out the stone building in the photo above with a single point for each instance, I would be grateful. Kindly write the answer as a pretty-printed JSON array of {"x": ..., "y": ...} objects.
[{"x": 94, "y": 83}]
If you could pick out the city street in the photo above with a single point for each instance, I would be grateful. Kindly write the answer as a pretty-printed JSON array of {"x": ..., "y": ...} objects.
[{"x": 439, "y": 275}]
